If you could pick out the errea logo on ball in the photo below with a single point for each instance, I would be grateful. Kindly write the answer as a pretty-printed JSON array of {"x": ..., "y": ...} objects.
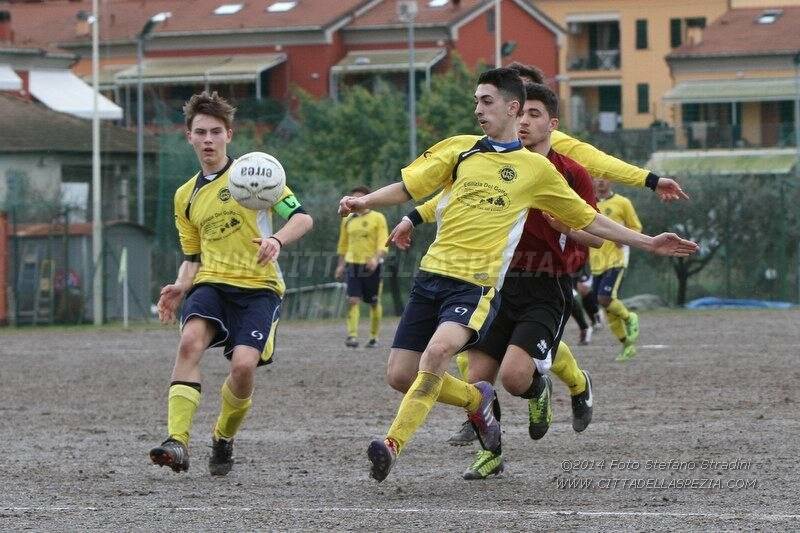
[{"x": 256, "y": 181}]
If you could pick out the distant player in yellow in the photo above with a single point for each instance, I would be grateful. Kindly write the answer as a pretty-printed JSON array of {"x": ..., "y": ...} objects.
[
  {"x": 608, "y": 265},
  {"x": 232, "y": 284},
  {"x": 361, "y": 249}
]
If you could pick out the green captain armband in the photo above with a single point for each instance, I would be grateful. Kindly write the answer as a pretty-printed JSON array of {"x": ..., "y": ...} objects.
[{"x": 287, "y": 207}]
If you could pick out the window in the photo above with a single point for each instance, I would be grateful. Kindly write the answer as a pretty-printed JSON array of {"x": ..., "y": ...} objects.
[
  {"x": 686, "y": 30},
  {"x": 490, "y": 21},
  {"x": 437, "y": 3},
  {"x": 675, "y": 33},
  {"x": 278, "y": 7},
  {"x": 641, "y": 34},
  {"x": 769, "y": 16},
  {"x": 643, "y": 98},
  {"x": 228, "y": 9}
]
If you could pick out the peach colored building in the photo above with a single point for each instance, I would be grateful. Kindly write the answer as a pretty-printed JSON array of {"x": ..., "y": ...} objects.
[{"x": 613, "y": 73}]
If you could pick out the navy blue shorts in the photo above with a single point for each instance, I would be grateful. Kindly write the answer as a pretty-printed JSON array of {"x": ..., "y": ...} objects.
[
  {"x": 608, "y": 282},
  {"x": 436, "y": 299},
  {"x": 362, "y": 283},
  {"x": 242, "y": 317}
]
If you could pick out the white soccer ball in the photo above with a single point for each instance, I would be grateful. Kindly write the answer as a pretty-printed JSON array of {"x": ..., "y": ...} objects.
[{"x": 256, "y": 180}]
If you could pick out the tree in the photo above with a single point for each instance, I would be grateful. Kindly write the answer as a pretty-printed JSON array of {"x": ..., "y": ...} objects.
[
  {"x": 360, "y": 140},
  {"x": 729, "y": 218},
  {"x": 447, "y": 108}
]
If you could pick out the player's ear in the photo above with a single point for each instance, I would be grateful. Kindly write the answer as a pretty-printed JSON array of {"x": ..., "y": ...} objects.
[
  {"x": 514, "y": 108},
  {"x": 229, "y": 134},
  {"x": 554, "y": 124}
]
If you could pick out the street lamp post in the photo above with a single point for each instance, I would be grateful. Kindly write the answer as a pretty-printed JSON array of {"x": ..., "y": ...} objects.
[
  {"x": 97, "y": 185},
  {"x": 407, "y": 11},
  {"x": 797, "y": 112},
  {"x": 146, "y": 30},
  {"x": 498, "y": 37}
]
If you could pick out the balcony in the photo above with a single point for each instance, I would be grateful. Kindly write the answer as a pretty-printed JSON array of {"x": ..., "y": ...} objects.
[
  {"x": 596, "y": 60},
  {"x": 593, "y": 45}
]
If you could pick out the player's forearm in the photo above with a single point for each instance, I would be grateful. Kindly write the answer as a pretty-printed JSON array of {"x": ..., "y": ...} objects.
[
  {"x": 585, "y": 238},
  {"x": 606, "y": 228},
  {"x": 297, "y": 226},
  {"x": 393, "y": 194},
  {"x": 602, "y": 165},
  {"x": 186, "y": 274}
]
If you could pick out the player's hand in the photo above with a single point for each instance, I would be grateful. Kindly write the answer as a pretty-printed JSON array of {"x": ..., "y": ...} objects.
[
  {"x": 401, "y": 235},
  {"x": 671, "y": 244},
  {"x": 268, "y": 250},
  {"x": 372, "y": 264},
  {"x": 171, "y": 296},
  {"x": 556, "y": 224},
  {"x": 339, "y": 272},
  {"x": 669, "y": 190},
  {"x": 351, "y": 204}
]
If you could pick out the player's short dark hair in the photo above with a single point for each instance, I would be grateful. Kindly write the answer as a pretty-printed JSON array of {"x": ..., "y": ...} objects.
[
  {"x": 527, "y": 71},
  {"x": 208, "y": 104},
  {"x": 363, "y": 189},
  {"x": 543, "y": 93},
  {"x": 507, "y": 82}
]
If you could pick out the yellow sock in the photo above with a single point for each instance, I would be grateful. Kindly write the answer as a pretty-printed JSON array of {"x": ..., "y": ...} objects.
[
  {"x": 352, "y": 320},
  {"x": 462, "y": 360},
  {"x": 566, "y": 368},
  {"x": 375, "y": 315},
  {"x": 617, "y": 326},
  {"x": 616, "y": 307},
  {"x": 414, "y": 408},
  {"x": 181, "y": 406},
  {"x": 231, "y": 413},
  {"x": 459, "y": 393}
]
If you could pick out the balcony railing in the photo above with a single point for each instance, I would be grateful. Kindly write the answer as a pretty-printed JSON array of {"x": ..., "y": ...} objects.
[
  {"x": 702, "y": 135},
  {"x": 596, "y": 60}
]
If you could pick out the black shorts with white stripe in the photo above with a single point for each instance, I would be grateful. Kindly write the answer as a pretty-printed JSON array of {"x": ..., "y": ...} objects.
[{"x": 534, "y": 310}]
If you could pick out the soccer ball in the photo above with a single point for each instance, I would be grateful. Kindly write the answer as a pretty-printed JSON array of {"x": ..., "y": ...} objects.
[{"x": 256, "y": 180}]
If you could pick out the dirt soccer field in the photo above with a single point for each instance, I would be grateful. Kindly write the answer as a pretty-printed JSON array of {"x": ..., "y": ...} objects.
[{"x": 699, "y": 432}]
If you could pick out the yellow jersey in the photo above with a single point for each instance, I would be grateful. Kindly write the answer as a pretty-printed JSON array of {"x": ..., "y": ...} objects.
[
  {"x": 597, "y": 162},
  {"x": 484, "y": 203},
  {"x": 362, "y": 237},
  {"x": 609, "y": 255},
  {"x": 212, "y": 224}
]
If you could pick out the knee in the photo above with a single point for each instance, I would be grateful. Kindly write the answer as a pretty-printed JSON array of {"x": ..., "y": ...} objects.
[
  {"x": 353, "y": 300},
  {"x": 399, "y": 380},
  {"x": 242, "y": 369},
  {"x": 604, "y": 300},
  {"x": 190, "y": 347},
  {"x": 439, "y": 351},
  {"x": 516, "y": 383}
]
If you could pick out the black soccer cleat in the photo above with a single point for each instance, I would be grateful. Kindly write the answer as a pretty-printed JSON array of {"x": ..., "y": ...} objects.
[
  {"x": 465, "y": 435},
  {"x": 582, "y": 406},
  {"x": 171, "y": 453},
  {"x": 221, "y": 460}
]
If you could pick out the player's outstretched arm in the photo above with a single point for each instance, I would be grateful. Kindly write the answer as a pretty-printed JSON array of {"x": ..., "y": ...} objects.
[
  {"x": 663, "y": 244},
  {"x": 581, "y": 237},
  {"x": 602, "y": 165},
  {"x": 269, "y": 247},
  {"x": 393, "y": 194},
  {"x": 172, "y": 294}
]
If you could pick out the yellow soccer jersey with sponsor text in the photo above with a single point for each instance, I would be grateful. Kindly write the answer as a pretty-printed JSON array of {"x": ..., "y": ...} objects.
[
  {"x": 484, "y": 203},
  {"x": 619, "y": 209},
  {"x": 362, "y": 237},
  {"x": 211, "y": 223}
]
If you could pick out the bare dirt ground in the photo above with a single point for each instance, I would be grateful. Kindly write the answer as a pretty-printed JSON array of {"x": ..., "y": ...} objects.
[{"x": 81, "y": 408}]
